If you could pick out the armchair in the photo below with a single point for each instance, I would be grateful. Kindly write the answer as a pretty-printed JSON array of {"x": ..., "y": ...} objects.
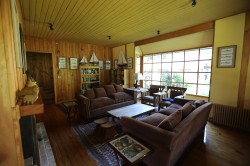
[
  {"x": 172, "y": 92},
  {"x": 148, "y": 97}
]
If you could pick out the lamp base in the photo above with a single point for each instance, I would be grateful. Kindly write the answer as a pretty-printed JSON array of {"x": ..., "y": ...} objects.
[{"x": 136, "y": 86}]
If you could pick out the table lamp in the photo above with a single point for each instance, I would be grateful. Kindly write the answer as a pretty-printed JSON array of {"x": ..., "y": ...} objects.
[{"x": 137, "y": 77}]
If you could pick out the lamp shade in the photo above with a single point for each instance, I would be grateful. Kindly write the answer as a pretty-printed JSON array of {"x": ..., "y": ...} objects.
[{"x": 137, "y": 76}]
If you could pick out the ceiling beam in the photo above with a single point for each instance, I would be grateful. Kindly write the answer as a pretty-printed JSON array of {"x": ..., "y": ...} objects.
[{"x": 182, "y": 32}]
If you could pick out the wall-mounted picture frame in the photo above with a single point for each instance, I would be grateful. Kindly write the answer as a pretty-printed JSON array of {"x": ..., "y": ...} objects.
[
  {"x": 116, "y": 64},
  {"x": 62, "y": 63},
  {"x": 226, "y": 57},
  {"x": 101, "y": 64},
  {"x": 107, "y": 64},
  {"x": 73, "y": 63},
  {"x": 130, "y": 63}
]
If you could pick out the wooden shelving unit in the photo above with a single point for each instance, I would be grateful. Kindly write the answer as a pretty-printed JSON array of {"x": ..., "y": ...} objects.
[{"x": 90, "y": 75}]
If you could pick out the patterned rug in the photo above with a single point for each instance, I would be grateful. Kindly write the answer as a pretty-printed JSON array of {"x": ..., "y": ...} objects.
[{"x": 100, "y": 152}]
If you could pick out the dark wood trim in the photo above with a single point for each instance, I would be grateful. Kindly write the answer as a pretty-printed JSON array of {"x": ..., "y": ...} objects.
[
  {"x": 182, "y": 32},
  {"x": 244, "y": 63}
]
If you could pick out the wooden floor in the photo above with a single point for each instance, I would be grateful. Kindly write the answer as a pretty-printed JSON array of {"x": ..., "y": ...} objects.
[{"x": 220, "y": 146}]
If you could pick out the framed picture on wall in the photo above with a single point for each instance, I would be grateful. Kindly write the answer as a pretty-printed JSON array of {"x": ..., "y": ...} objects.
[
  {"x": 130, "y": 63},
  {"x": 101, "y": 64},
  {"x": 73, "y": 63},
  {"x": 62, "y": 63},
  {"x": 107, "y": 64},
  {"x": 226, "y": 56}
]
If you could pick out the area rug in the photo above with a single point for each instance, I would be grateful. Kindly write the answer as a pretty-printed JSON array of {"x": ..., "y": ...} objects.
[{"x": 100, "y": 152}]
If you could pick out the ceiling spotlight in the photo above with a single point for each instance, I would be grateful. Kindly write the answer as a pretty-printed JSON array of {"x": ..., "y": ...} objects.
[
  {"x": 193, "y": 3},
  {"x": 51, "y": 26},
  {"x": 109, "y": 37}
]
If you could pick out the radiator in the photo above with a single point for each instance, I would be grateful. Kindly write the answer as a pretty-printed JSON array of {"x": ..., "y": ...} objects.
[{"x": 230, "y": 116}]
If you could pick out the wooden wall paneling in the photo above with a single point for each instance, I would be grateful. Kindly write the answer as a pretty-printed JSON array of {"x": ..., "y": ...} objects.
[
  {"x": 244, "y": 63},
  {"x": 10, "y": 142}
]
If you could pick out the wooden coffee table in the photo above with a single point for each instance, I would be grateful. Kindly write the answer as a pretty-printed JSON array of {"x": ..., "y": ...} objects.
[{"x": 133, "y": 111}]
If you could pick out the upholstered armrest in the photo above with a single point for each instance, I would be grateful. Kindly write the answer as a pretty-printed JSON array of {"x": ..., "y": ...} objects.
[
  {"x": 132, "y": 93},
  {"x": 152, "y": 136},
  {"x": 83, "y": 106}
]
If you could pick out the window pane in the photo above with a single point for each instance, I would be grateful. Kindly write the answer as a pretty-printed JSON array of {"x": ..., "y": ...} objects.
[
  {"x": 138, "y": 61},
  {"x": 146, "y": 84},
  {"x": 190, "y": 78},
  {"x": 178, "y": 66},
  {"x": 178, "y": 56},
  {"x": 166, "y": 57},
  {"x": 147, "y": 76},
  {"x": 205, "y": 66},
  {"x": 157, "y": 67},
  {"x": 166, "y": 67},
  {"x": 191, "y": 89},
  {"x": 191, "y": 55},
  {"x": 157, "y": 58},
  {"x": 156, "y": 76},
  {"x": 206, "y": 53},
  {"x": 191, "y": 66},
  {"x": 204, "y": 78},
  {"x": 147, "y": 67},
  {"x": 177, "y": 77},
  {"x": 156, "y": 83},
  {"x": 166, "y": 79},
  {"x": 147, "y": 59},
  {"x": 203, "y": 90}
]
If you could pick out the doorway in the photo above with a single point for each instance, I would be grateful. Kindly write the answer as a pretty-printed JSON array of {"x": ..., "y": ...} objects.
[{"x": 40, "y": 67}]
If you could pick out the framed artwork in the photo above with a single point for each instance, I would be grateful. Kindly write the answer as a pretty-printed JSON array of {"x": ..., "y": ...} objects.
[
  {"x": 226, "y": 56},
  {"x": 115, "y": 63},
  {"x": 101, "y": 64},
  {"x": 62, "y": 63},
  {"x": 107, "y": 64},
  {"x": 130, "y": 63},
  {"x": 73, "y": 63}
]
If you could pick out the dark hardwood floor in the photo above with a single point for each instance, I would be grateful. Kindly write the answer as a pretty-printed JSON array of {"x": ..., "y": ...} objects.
[{"x": 221, "y": 146}]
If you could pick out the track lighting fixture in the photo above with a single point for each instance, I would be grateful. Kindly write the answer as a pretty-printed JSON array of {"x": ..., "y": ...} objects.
[
  {"x": 193, "y": 3},
  {"x": 51, "y": 26},
  {"x": 158, "y": 32}
]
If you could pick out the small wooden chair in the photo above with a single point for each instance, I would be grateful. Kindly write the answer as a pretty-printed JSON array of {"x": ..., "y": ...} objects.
[
  {"x": 172, "y": 92},
  {"x": 148, "y": 97}
]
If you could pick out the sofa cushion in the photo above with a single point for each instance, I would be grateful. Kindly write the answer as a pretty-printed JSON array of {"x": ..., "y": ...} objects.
[
  {"x": 118, "y": 88},
  {"x": 121, "y": 97},
  {"x": 186, "y": 109},
  {"x": 110, "y": 89},
  {"x": 199, "y": 103},
  {"x": 171, "y": 121},
  {"x": 170, "y": 109},
  {"x": 90, "y": 93},
  {"x": 100, "y": 102},
  {"x": 100, "y": 92},
  {"x": 154, "y": 119}
]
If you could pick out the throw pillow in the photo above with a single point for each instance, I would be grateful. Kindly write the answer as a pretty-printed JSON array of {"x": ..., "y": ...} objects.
[
  {"x": 186, "y": 109},
  {"x": 110, "y": 89},
  {"x": 171, "y": 121},
  {"x": 118, "y": 88},
  {"x": 90, "y": 94},
  {"x": 100, "y": 92},
  {"x": 199, "y": 103}
]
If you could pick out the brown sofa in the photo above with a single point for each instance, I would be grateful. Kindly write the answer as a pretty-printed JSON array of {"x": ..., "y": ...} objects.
[
  {"x": 97, "y": 101},
  {"x": 170, "y": 131}
]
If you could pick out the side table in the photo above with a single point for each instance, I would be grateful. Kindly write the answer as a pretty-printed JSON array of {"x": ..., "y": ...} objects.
[
  {"x": 129, "y": 149},
  {"x": 71, "y": 106}
]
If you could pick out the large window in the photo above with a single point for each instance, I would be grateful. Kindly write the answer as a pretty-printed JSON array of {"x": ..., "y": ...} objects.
[{"x": 187, "y": 68}]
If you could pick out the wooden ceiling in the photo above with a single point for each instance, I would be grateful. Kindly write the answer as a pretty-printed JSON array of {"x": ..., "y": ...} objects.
[{"x": 126, "y": 21}]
